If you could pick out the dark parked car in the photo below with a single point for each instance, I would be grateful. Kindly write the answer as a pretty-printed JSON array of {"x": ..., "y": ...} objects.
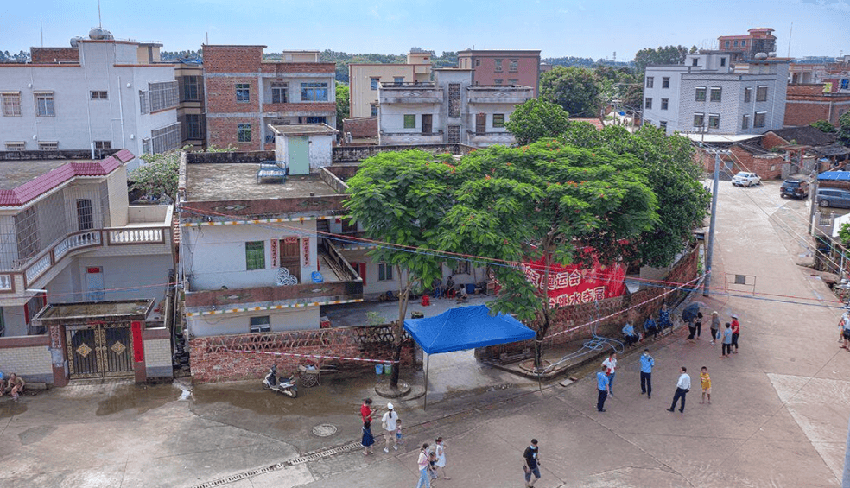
[
  {"x": 794, "y": 189},
  {"x": 833, "y": 197}
]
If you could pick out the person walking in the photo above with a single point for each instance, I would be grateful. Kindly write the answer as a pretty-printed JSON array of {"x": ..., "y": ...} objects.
[
  {"x": 610, "y": 365},
  {"x": 736, "y": 332},
  {"x": 532, "y": 463},
  {"x": 603, "y": 386},
  {"x": 845, "y": 332},
  {"x": 726, "y": 347},
  {"x": 715, "y": 326},
  {"x": 367, "y": 439},
  {"x": 424, "y": 472},
  {"x": 440, "y": 452},
  {"x": 646, "y": 364},
  {"x": 388, "y": 422},
  {"x": 682, "y": 387},
  {"x": 705, "y": 384}
]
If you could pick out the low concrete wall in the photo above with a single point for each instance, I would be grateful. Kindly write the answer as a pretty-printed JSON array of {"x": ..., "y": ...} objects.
[
  {"x": 28, "y": 357},
  {"x": 158, "y": 353},
  {"x": 348, "y": 154},
  {"x": 63, "y": 154}
]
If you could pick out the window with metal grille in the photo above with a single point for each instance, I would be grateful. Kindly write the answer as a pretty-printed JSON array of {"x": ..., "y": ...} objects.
[
  {"x": 713, "y": 121},
  {"x": 314, "y": 92},
  {"x": 243, "y": 133},
  {"x": 280, "y": 92},
  {"x": 11, "y": 104},
  {"x": 398, "y": 80},
  {"x": 162, "y": 96},
  {"x": 409, "y": 121},
  {"x": 146, "y": 145},
  {"x": 144, "y": 107},
  {"x": 715, "y": 94},
  {"x": 373, "y": 110},
  {"x": 191, "y": 91},
  {"x": 748, "y": 94},
  {"x": 498, "y": 81},
  {"x": 255, "y": 255},
  {"x": 665, "y": 82},
  {"x": 85, "y": 215},
  {"x": 385, "y": 272},
  {"x": 758, "y": 120},
  {"x": 165, "y": 139},
  {"x": 102, "y": 145},
  {"x": 26, "y": 232},
  {"x": 498, "y": 121},
  {"x": 761, "y": 94},
  {"x": 317, "y": 120},
  {"x": 745, "y": 122},
  {"x": 44, "y": 104},
  {"x": 454, "y": 99},
  {"x": 498, "y": 65},
  {"x": 373, "y": 83},
  {"x": 513, "y": 66},
  {"x": 99, "y": 95},
  {"x": 48, "y": 146},
  {"x": 699, "y": 94},
  {"x": 699, "y": 120},
  {"x": 513, "y": 82},
  {"x": 16, "y": 146},
  {"x": 663, "y": 125},
  {"x": 261, "y": 324},
  {"x": 665, "y": 102}
]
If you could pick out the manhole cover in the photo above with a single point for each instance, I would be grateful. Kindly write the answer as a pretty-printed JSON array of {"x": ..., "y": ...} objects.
[{"x": 324, "y": 430}]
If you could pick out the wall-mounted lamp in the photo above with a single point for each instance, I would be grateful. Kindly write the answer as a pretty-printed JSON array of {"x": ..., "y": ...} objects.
[
  {"x": 132, "y": 136},
  {"x": 34, "y": 137},
  {"x": 129, "y": 84}
]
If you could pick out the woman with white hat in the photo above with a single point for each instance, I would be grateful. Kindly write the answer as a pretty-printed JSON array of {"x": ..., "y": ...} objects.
[{"x": 388, "y": 422}]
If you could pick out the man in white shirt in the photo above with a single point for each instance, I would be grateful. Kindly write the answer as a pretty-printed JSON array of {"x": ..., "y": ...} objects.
[
  {"x": 610, "y": 365},
  {"x": 682, "y": 387},
  {"x": 388, "y": 422}
]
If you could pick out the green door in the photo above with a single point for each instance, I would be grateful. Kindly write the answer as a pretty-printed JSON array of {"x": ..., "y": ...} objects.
[{"x": 299, "y": 156}]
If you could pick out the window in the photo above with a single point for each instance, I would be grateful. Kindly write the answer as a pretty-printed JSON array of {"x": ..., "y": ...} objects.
[
  {"x": 48, "y": 146},
  {"x": 743, "y": 43},
  {"x": 85, "y": 215},
  {"x": 727, "y": 44},
  {"x": 162, "y": 96},
  {"x": 314, "y": 92},
  {"x": 665, "y": 102},
  {"x": 373, "y": 83},
  {"x": 144, "y": 107},
  {"x": 261, "y": 324},
  {"x": 26, "y": 231},
  {"x": 243, "y": 92},
  {"x": 477, "y": 62},
  {"x": 255, "y": 255},
  {"x": 650, "y": 81},
  {"x": 699, "y": 119},
  {"x": 243, "y": 132},
  {"x": 374, "y": 110},
  {"x": 462, "y": 268},
  {"x": 98, "y": 95},
  {"x": 722, "y": 62},
  {"x": 409, "y": 121},
  {"x": 398, "y": 80},
  {"x": 748, "y": 94},
  {"x": 513, "y": 66},
  {"x": 735, "y": 43},
  {"x": 498, "y": 63},
  {"x": 761, "y": 94},
  {"x": 713, "y": 121},
  {"x": 385, "y": 272},
  {"x": 317, "y": 120},
  {"x": 498, "y": 121},
  {"x": 700, "y": 94},
  {"x": 513, "y": 81},
  {"x": 44, "y": 104},
  {"x": 454, "y": 102},
  {"x": 193, "y": 126},
  {"x": 745, "y": 122},
  {"x": 16, "y": 146},
  {"x": 648, "y": 103},
  {"x": 663, "y": 125},
  {"x": 665, "y": 82},
  {"x": 758, "y": 120},
  {"x": 845, "y": 83},
  {"x": 498, "y": 81},
  {"x": 164, "y": 139},
  {"x": 191, "y": 88},
  {"x": 695, "y": 62},
  {"x": 146, "y": 145},
  {"x": 11, "y": 104},
  {"x": 715, "y": 94},
  {"x": 102, "y": 145},
  {"x": 280, "y": 92}
]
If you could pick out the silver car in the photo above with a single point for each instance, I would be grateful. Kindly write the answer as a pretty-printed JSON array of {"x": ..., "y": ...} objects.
[{"x": 746, "y": 179}]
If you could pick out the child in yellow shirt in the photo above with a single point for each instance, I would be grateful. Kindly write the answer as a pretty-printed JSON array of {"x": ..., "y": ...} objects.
[{"x": 705, "y": 383}]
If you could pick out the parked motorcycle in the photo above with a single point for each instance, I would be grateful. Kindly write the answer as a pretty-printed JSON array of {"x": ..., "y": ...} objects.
[{"x": 285, "y": 386}]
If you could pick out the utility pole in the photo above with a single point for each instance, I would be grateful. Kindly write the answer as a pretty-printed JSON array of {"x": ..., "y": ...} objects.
[
  {"x": 709, "y": 254},
  {"x": 813, "y": 191}
]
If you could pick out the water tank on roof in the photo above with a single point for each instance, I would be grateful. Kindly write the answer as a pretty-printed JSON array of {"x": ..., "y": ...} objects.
[
  {"x": 761, "y": 56},
  {"x": 100, "y": 34},
  {"x": 75, "y": 41}
]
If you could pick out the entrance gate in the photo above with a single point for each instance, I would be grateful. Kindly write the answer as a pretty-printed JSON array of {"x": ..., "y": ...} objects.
[{"x": 96, "y": 351}]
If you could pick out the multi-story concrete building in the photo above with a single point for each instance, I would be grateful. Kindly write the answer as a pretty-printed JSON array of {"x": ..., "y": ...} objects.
[
  {"x": 760, "y": 40},
  {"x": 710, "y": 93},
  {"x": 190, "y": 111},
  {"x": 245, "y": 94},
  {"x": 68, "y": 235},
  {"x": 98, "y": 94},
  {"x": 508, "y": 67},
  {"x": 364, "y": 80},
  {"x": 449, "y": 110}
]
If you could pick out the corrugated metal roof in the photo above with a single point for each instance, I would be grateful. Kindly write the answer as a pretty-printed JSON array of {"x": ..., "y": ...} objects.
[{"x": 834, "y": 176}]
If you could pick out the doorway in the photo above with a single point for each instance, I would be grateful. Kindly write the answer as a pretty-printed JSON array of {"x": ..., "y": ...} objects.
[{"x": 97, "y": 351}]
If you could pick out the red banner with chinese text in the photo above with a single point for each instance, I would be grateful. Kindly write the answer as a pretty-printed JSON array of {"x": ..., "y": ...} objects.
[
  {"x": 138, "y": 341},
  {"x": 572, "y": 285}
]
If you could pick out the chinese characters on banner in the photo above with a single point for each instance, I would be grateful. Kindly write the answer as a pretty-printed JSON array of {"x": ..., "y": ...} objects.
[
  {"x": 571, "y": 285},
  {"x": 305, "y": 251},
  {"x": 273, "y": 249}
]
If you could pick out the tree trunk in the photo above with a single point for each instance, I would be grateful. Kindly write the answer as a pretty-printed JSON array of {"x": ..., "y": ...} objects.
[{"x": 398, "y": 329}]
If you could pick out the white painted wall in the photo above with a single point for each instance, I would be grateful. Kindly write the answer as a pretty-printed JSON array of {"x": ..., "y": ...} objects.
[
  {"x": 132, "y": 275},
  {"x": 281, "y": 321}
]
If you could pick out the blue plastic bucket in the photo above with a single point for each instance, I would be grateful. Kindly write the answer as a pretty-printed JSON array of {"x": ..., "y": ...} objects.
[{"x": 379, "y": 369}]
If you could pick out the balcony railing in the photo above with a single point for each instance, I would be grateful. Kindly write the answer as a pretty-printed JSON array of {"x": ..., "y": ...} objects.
[
  {"x": 143, "y": 235},
  {"x": 76, "y": 241}
]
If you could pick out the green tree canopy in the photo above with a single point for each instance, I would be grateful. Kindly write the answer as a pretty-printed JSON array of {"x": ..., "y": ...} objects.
[
  {"x": 537, "y": 118},
  {"x": 661, "y": 55},
  {"x": 342, "y": 104},
  {"x": 824, "y": 126},
  {"x": 574, "y": 89},
  {"x": 844, "y": 128}
]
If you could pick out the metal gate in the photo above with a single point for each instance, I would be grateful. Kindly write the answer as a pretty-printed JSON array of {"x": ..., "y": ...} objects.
[{"x": 100, "y": 350}]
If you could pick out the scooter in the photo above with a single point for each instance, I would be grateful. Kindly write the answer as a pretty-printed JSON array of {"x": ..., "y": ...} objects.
[{"x": 285, "y": 386}]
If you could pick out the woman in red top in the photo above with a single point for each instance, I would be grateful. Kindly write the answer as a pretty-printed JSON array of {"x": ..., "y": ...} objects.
[
  {"x": 736, "y": 329},
  {"x": 366, "y": 410}
]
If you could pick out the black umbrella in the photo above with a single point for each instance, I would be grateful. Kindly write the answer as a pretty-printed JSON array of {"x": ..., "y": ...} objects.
[{"x": 690, "y": 312}]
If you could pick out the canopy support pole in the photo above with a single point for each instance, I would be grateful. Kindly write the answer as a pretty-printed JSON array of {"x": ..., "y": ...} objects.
[{"x": 427, "y": 362}]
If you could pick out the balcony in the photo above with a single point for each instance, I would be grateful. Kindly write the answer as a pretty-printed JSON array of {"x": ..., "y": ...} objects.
[
  {"x": 410, "y": 93},
  {"x": 499, "y": 94}
]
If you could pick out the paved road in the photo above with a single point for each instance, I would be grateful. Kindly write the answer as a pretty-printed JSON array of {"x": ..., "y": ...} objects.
[{"x": 778, "y": 415}]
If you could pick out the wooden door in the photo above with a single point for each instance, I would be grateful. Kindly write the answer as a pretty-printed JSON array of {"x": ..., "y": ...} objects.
[{"x": 427, "y": 123}]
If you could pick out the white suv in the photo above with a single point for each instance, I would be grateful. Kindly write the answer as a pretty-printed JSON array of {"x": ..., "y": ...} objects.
[{"x": 746, "y": 179}]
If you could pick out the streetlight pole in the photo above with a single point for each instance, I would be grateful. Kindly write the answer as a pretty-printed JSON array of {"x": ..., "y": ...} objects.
[{"x": 709, "y": 254}]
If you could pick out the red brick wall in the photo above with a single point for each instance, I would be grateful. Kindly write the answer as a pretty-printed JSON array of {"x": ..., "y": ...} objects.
[
  {"x": 232, "y": 59},
  {"x": 801, "y": 90},
  {"x": 361, "y": 127},
  {"x": 47, "y": 55},
  {"x": 221, "y": 95},
  {"x": 211, "y": 361},
  {"x": 766, "y": 166},
  {"x": 298, "y": 68},
  {"x": 771, "y": 140},
  {"x": 222, "y": 131}
]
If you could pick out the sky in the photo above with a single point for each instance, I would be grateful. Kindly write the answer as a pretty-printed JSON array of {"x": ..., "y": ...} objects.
[{"x": 582, "y": 28}]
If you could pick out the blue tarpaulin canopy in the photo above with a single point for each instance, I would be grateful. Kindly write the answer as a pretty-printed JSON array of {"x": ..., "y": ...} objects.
[
  {"x": 834, "y": 176},
  {"x": 462, "y": 328}
]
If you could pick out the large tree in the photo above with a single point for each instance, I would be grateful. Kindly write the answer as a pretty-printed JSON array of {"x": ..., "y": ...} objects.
[
  {"x": 343, "y": 109},
  {"x": 548, "y": 199},
  {"x": 661, "y": 55},
  {"x": 672, "y": 175},
  {"x": 537, "y": 118},
  {"x": 844, "y": 128},
  {"x": 400, "y": 198},
  {"x": 574, "y": 89}
]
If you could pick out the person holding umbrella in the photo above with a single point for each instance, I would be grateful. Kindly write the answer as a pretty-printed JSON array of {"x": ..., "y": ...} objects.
[{"x": 689, "y": 315}]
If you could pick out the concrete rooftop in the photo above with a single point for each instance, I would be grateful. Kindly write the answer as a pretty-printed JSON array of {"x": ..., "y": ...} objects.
[
  {"x": 238, "y": 181},
  {"x": 15, "y": 173}
]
